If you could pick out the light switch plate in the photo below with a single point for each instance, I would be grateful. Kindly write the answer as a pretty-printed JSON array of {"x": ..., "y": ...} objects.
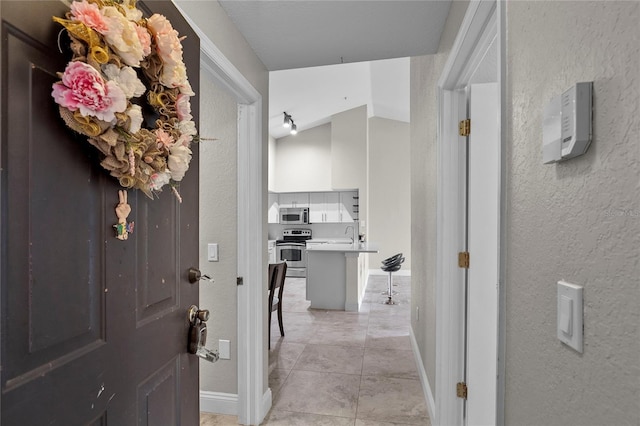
[
  {"x": 570, "y": 315},
  {"x": 212, "y": 252}
]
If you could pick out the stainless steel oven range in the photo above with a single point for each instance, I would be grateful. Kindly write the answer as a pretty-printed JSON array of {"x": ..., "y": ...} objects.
[{"x": 292, "y": 248}]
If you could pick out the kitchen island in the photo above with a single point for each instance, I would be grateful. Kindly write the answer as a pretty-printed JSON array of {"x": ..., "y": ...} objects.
[{"x": 336, "y": 274}]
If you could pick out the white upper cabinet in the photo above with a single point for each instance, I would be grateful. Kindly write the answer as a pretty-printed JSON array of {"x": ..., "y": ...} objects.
[
  {"x": 294, "y": 199},
  {"x": 324, "y": 207},
  {"x": 273, "y": 216}
]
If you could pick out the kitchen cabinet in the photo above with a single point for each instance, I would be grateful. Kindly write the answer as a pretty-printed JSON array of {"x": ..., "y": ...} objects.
[
  {"x": 349, "y": 206},
  {"x": 272, "y": 215},
  {"x": 293, "y": 199},
  {"x": 324, "y": 207},
  {"x": 336, "y": 276}
]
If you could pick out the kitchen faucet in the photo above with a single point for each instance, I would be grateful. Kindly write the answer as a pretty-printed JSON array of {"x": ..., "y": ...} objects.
[{"x": 353, "y": 232}]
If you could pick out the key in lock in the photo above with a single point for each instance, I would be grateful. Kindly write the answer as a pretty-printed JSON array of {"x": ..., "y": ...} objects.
[{"x": 198, "y": 335}]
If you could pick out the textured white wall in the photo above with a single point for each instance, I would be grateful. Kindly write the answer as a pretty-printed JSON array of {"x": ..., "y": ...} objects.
[
  {"x": 218, "y": 224},
  {"x": 578, "y": 221},
  {"x": 389, "y": 189},
  {"x": 303, "y": 161},
  {"x": 425, "y": 71}
]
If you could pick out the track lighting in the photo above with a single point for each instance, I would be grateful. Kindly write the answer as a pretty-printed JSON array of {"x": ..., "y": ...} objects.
[
  {"x": 289, "y": 124},
  {"x": 287, "y": 121}
]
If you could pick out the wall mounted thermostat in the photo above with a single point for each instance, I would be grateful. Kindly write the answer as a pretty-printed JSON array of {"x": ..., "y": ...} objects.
[{"x": 566, "y": 125}]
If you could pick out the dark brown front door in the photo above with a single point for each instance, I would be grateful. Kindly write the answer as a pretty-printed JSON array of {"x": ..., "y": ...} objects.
[{"x": 94, "y": 329}]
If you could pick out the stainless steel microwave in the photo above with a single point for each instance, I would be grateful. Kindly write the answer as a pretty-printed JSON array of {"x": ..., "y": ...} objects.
[{"x": 294, "y": 215}]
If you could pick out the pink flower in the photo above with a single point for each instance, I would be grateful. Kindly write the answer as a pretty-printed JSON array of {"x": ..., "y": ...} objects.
[
  {"x": 90, "y": 15},
  {"x": 164, "y": 139},
  {"x": 183, "y": 107},
  {"x": 82, "y": 87},
  {"x": 174, "y": 73},
  {"x": 145, "y": 40}
]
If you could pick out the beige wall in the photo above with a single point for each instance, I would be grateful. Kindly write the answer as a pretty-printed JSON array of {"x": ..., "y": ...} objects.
[
  {"x": 303, "y": 161},
  {"x": 425, "y": 71},
  {"x": 389, "y": 189},
  {"x": 272, "y": 165},
  {"x": 218, "y": 186},
  {"x": 218, "y": 224},
  {"x": 578, "y": 221},
  {"x": 350, "y": 156}
]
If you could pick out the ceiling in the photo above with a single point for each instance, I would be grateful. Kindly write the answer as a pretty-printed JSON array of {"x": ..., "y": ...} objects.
[{"x": 294, "y": 37}]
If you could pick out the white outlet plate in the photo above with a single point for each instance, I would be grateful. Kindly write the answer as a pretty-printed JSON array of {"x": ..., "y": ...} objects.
[{"x": 224, "y": 349}]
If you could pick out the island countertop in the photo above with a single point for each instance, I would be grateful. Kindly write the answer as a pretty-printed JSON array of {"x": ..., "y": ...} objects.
[{"x": 366, "y": 247}]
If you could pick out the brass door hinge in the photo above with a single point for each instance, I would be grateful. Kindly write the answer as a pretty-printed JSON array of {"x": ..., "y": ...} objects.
[
  {"x": 463, "y": 259},
  {"x": 461, "y": 390},
  {"x": 464, "y": 128}
]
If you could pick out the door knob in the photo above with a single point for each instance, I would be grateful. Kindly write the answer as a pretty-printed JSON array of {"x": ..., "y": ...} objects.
[
  {"x": 196, "y": 315},
  {"x": 195, "y": 275}
]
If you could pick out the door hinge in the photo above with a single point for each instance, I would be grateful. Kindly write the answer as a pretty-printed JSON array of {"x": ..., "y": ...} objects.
[
  {"x": 461, "y": 390},
  {"x": 463, "y": 259},
  {"x": 464, "y": 127},
  {"x": 239, "y": 281}
]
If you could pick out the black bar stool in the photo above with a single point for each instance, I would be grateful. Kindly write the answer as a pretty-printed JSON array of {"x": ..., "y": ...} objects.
[{"x": 391, "y": 264}]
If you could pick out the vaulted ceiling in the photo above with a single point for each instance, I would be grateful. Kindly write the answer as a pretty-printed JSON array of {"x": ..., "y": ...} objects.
[{"x": 293, "y": 38}]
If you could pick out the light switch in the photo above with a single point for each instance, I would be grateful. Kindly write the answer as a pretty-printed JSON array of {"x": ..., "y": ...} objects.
[
  {"x": 566, "y": 313},
  {"x": 212, "y": 252},
  {"x": 570, "y": 315}
]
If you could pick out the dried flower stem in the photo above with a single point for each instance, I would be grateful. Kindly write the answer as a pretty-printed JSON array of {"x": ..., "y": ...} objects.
[
  {"x": 132, "y": 163},
  {"x": 177, "y": 194}
]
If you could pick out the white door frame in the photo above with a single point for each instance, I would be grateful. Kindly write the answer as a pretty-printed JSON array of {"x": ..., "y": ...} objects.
[
  {"x": 468, "y": 50},
  {"x": 253, "y": 403}
]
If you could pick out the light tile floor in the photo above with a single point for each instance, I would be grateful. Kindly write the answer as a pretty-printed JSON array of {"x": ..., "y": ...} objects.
[{"x": 342, "y": 368}]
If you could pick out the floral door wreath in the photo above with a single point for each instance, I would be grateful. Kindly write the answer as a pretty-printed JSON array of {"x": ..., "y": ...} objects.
[{"x": 115, "y": 52}]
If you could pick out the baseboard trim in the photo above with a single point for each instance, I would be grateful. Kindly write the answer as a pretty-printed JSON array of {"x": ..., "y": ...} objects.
[
  {"x": 267, "y": 401},
  {"x": 219, "y": 403},
  {"x": 400, "y": 273},
  {"x": 424, "y": 380}
]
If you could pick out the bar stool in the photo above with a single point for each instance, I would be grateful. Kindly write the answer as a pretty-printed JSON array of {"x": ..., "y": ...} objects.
[{"x": 391, "y": 264}]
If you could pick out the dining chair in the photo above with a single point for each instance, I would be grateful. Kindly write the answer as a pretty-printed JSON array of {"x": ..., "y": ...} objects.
[{"x": 277, "y": 274}]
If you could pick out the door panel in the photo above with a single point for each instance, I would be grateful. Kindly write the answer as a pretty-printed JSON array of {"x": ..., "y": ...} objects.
[
  {"x": 94, "y": 330},
  {"x": 482, "y": 293},
  {"x": 157, "y": 402}
]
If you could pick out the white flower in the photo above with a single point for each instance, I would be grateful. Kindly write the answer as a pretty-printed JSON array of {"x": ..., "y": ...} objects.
[
  {"x": 122, "y": 36},
  {"x": 126, "y": 78},
  {"x": 178, "y": 162},
  {"x": 186, "y": 89},
  {"x": 135, "y": 114},
  {"x": 158, "y": 180},
  {"x": 187, "y": 128},
  {"x": 133, "y": 13}
]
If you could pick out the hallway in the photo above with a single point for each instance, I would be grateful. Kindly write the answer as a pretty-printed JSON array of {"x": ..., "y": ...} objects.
[{"x": 342, "y": 368}]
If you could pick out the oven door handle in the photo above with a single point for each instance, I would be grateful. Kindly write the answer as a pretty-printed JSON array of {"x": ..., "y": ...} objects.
[{"x": 291, "y": 244}]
